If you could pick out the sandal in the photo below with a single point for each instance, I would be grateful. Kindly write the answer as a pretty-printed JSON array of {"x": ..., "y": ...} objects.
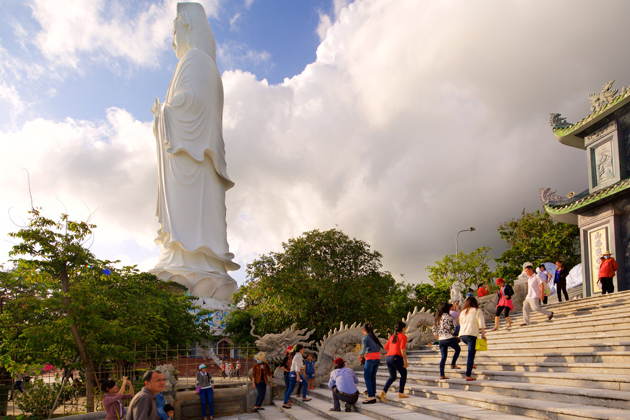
[
  {"x": 444, "y": 377},
  {"x": 494, "y": 329},
  {"x": 471, "y": 379},
  {"x": 286, "y": 406},
  {"x": 306, "y": 399},
  {"x": 455, "y": 367}
]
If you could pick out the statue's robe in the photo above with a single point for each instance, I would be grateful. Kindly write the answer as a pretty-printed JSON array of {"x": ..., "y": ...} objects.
[{"x": 192, "y": 174}]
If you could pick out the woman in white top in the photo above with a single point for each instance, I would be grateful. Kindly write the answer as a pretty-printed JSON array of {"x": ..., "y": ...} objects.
[
  {"x": 296, "y": 375},
  {"x": 471, "y": 321}
]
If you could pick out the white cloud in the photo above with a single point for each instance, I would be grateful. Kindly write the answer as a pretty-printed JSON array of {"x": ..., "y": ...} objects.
[
  {"x": 248, "y": 4},
  {"x": 323, "y": 25},
  {"x": 233, "y": 55},
  {"x": 105, "y": 30},
  {"x": 105, "y": 166},
  {"x": 234, "y": 21},
  {"x": 418, "y": 119}
]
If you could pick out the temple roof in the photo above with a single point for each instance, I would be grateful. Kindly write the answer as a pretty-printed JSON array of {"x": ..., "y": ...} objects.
[
  {"x": 603, "y": 104},
  {"x": 561, "y": 208}
]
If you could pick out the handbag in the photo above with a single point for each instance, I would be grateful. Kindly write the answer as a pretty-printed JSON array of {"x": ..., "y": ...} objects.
[
  {"x": 198, "y": 389},
  {"x": 481, "y": 345}
]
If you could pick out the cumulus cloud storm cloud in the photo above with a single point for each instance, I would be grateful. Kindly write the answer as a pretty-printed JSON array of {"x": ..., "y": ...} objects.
[{"x": 418, "y": 119}]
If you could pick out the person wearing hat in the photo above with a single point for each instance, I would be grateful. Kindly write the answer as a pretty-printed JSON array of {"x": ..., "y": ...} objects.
[
  {"x": 261, "y": 375},
  {"x": 205, "y": 389},
  {"x": 504, "y": 303},
  {"x": 607, "y": 268},
  {"x": 343, "y": 382},
  {"x": 535, "y": 289}
]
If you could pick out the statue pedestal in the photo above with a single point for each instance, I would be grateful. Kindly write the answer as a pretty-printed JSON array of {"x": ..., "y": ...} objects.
[{"x": 199, "y": 283}]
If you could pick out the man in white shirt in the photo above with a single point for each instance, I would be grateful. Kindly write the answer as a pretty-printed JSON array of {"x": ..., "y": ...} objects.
[{"x": 535, "y": 289}]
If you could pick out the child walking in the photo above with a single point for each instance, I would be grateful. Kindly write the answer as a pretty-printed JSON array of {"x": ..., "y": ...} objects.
[{"x": 310, "y": 371}]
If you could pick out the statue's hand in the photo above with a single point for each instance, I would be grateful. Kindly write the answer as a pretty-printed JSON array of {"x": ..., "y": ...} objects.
[{"x": 155, "y": 109}]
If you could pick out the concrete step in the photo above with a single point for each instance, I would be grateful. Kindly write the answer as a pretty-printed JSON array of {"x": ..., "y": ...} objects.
[
  {"x": 540, "y": 357},
  {"x": 545, "y": 346},
  {"x": 319, "y": 409},
  {"x": 271, "y": 412},
  {"x": 512, "y": 406},
  {"x": 419, "y": 411},
  {"x": 592, "y": 332},
  {"x": 556, "y": 393},
  {"x": 615, "y": 382},
  {"x": 588, "y": 368},
  {"x": 573, "y": 292}
]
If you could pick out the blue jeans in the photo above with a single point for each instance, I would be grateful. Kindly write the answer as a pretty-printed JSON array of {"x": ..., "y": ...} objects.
[
  {"x": 471, "y": 340},
  {"x": 261, "y": 387},
  {"x": 292, "y": 381},
  {"x": 206, "y": 398},
  {"x": 444, "y": 345},
  {"x": 396, "y": 363},
  {"x": 369, "y": 374}
]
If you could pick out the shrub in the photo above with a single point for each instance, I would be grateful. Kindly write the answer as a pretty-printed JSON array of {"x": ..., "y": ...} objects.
[{"x": 39, "y": 397}]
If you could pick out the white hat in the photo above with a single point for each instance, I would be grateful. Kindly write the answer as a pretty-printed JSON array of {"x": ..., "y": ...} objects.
[
  {"x": 528, "y": 264},
  {"x": 201, "y": 366}
]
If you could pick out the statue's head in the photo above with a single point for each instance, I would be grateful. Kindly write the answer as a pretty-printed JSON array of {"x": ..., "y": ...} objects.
[{"x": 191, "y": 30}]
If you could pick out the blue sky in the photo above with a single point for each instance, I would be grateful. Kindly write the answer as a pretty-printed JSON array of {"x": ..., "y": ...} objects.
[
  {"x": 400, "y": 122},
  {"x": 284, "y": 29}
]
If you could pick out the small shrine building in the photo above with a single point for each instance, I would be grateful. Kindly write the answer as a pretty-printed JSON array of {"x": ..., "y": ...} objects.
[{"x": 602, "y": 212}]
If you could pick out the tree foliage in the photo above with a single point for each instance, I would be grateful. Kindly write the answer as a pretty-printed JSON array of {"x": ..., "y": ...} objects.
[
  {"x": 61, "y": 304},
  {"x": 537, "y": 238},
  {"x": 468, "y": 269},
  {"x": 319, "y": 279}
]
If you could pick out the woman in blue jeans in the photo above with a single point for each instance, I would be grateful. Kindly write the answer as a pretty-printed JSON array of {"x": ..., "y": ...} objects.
[
  {"x": 206, "y": 390},
  {"x": 295, "y": 375},
  {"x": 372, "y": 351},
  {"x": 444, "y": 330},
  {"x": 396, "y": 360},
  {"x": 472, "y": 322}
]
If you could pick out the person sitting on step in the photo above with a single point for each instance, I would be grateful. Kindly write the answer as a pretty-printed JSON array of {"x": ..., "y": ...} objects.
[
  {"x": 504, "y": 303},
  {"x": 343, "y": 382}
]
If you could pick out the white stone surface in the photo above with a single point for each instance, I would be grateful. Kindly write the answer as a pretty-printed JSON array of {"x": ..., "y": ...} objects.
[{"x": 192, "y": 171}]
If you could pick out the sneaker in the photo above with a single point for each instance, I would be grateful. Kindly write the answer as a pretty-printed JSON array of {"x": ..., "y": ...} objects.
[
  {"x": 550, "y": 316},
  {"x": 372, "y": 401},
  {"x": 335, "y": 409},
  {"x": 402, "y": 395},
  {"x": 383, "y": 396}
]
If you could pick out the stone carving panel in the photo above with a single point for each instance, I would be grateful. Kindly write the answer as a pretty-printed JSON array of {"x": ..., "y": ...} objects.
[
  {"x": 595, "y": 215},
  {"x": 604, "y": 162}
]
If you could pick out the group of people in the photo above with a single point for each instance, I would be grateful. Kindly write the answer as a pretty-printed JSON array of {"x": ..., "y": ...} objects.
[
  {"x": 147, "y": 404},
  {"x": 471, "y": 323},
  {"x": 231, "y": 370}
]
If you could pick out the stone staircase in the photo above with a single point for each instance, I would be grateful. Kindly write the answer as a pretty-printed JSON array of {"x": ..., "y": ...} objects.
[{"x": 576, "y": 366}]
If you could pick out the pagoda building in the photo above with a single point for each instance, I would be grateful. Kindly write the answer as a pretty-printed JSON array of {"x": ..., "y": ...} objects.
[{"x": 602, "y": 212}]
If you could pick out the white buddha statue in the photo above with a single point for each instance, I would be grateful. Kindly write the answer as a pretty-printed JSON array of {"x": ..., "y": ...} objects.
[{"x": 192, "y": 175}]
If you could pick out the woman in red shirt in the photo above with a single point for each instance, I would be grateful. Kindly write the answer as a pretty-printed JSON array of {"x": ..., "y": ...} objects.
[{"x": 396, "y": 359}]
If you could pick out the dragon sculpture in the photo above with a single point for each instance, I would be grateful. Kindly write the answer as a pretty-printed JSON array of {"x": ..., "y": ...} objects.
[
  {"x": 274, "y": 345},
  {"x": 341, "y": 342},
  {"x": 416, "y": 335},
  {"x": 600, "y": 100}
]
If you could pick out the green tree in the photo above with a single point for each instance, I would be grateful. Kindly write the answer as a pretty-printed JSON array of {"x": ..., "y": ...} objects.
[
  {"x": 61, "y": 301},
  {"x": 467, "y": 269},
  {"x": 537, "y": 238},
  {"x": 319, "y": 280},
  {"x": 431, "y": 295}
]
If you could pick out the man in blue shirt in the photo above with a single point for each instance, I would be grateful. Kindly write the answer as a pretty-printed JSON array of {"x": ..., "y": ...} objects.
[{"x": 343, "y": 382}]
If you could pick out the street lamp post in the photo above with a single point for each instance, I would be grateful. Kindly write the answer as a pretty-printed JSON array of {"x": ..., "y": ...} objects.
[{"x": 470, "y": 229}]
